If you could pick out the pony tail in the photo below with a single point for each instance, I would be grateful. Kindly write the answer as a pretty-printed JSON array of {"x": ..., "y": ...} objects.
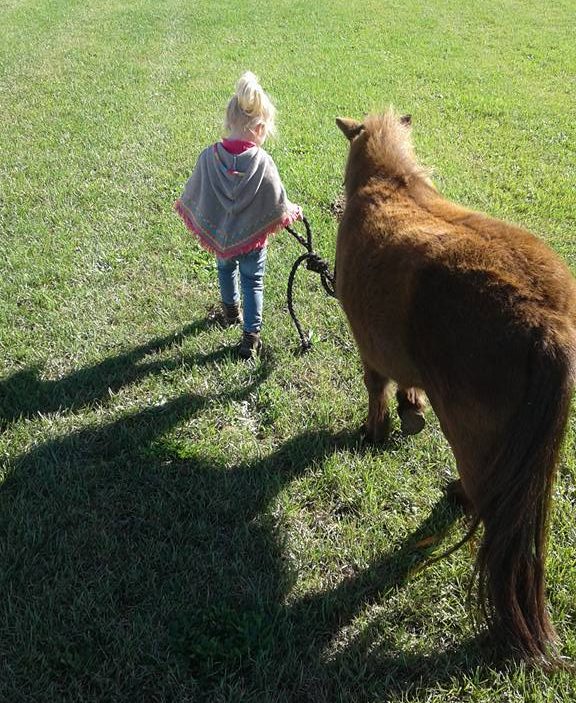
[{"x": 515, "y": 511}]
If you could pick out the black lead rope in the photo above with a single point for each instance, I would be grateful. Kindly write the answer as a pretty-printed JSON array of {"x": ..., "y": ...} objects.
[{"x": 313, "y": 263}]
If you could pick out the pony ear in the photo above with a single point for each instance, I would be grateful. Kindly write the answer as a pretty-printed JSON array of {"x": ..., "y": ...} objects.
[
  {"x": 406, "y": 120},
  {"x": 350, "y": 128}
]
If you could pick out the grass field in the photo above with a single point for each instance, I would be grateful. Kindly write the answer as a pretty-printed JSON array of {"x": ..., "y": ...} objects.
[{"x": 176, "y": 525}]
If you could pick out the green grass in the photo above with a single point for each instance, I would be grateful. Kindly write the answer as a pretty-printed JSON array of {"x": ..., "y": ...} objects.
[{"x": 176, "y": 525}]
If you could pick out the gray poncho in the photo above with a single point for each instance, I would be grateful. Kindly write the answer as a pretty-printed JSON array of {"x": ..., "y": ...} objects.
[{"x": 233, "y": 202}]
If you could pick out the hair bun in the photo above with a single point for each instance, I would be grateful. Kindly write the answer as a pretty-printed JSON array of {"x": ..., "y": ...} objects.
[
  {"x": 249, "y": 94},
  {"x": 250, "y": 107}
]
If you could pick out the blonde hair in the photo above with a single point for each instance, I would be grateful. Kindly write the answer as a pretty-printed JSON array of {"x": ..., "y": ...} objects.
[{"x": 249, "y": 107}]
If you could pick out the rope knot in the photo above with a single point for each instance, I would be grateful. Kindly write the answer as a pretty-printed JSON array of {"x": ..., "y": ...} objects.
[
  {"x": 313, "y": 263},
  {"x": 317, "y": 264}
]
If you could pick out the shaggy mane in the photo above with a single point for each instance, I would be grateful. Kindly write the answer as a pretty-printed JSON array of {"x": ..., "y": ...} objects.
[{"x": 389, "y": 146}]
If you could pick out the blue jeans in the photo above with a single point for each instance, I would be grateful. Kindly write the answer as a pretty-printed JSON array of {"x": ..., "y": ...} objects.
[{"x": 251, "y": 267}]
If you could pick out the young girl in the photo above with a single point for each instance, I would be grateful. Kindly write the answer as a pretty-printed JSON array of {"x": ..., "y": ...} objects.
[{"x": 233, "y": 201}]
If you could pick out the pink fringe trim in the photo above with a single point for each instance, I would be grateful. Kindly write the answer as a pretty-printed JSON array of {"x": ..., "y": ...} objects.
[{"x": 256, "y": 242}]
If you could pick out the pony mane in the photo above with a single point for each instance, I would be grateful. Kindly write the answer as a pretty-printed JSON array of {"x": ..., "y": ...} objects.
[{"x": 389, "y": 146}]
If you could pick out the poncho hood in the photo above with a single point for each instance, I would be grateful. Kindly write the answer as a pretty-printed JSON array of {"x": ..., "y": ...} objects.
[{"x": 233, "y": 202}]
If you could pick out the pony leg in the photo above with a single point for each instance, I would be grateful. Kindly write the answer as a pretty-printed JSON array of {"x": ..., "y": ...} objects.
[
  {"x": 411, "y": 404},
  {"x": 377, "y": 425}
]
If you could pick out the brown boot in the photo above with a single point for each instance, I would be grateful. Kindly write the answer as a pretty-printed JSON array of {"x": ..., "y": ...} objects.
[
  {"x": 232, "y": 314},
  {"x": 251, "y": 345}
]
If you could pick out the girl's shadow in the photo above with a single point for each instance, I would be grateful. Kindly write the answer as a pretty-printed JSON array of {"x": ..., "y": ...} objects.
[{"x": 25, "y": 394}]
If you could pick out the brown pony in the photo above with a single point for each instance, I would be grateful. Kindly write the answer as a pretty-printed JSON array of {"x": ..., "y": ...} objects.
[{"x": 480, "y": 316}]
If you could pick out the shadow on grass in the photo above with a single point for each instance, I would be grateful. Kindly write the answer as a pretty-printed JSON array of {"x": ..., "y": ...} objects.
[
  {"x": 25, "y": 394},
  {"x": 281, "y": 649},
  {"x": 370, "y": 667},
  {"x": 136, "y": 568}
]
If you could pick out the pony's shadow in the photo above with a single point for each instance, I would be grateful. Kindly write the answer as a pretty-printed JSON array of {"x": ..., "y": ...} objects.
[
  {"x": 25, "y": 395},
  {"x": 312, "y": 623},
  {"x": 189, "y": 548},
  {"x": 384, "y": 669},
  {"x": 240, "y": 641}
]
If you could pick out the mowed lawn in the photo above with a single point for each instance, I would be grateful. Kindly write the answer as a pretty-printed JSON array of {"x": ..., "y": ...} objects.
[{"x": 176, "y": 525}]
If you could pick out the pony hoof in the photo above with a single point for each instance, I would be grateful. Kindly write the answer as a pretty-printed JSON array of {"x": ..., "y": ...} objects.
[
  {"x": 456, "y": 495},
  {"x": 376, "y": 435},
  {"x": 412, "y": 421}
]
